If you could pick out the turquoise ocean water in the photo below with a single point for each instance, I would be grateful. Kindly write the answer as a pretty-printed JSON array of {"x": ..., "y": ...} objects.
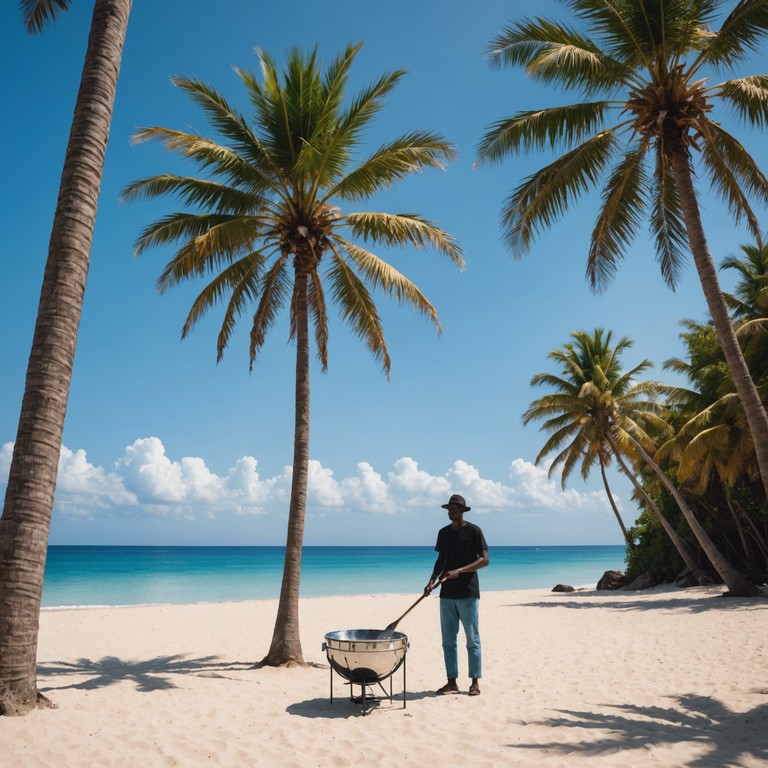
[{"x": 110, "y": 576}]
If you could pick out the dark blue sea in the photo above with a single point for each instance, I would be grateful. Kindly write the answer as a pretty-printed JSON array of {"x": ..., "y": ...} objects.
[{"x": 112, "y": 576}]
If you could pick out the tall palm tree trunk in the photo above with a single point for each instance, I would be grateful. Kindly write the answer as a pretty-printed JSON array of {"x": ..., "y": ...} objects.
[
  {"x": 738, "y": 584},
  {"x": 286, "y": 640},
  {"x": 613, "y": 502},
  {"x": 26, "y": 518},
  {"x": 682, "y": 548},
  {"x": 745, "y": 386}
]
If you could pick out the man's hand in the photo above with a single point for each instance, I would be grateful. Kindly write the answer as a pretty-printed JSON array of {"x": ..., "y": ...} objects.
[{"x": 453, "y": 574}]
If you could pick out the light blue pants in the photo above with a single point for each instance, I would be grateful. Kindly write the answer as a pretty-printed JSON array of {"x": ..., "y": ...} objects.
[{"x": 466, "y": 611}]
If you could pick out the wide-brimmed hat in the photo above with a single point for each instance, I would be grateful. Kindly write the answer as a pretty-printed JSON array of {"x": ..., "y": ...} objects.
[{"x": 456, "y": 499}]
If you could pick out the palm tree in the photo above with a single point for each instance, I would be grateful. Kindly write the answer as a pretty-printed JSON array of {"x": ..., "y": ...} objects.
[
  {"x": 590, "y": 358},
  {"x": 26, "y": 518},
  {"x": 647, "y": 59},
  {"x": 749, "y": 307},
  {"x": 589, "y": 389},
  {"x": 269, "y": 229}
]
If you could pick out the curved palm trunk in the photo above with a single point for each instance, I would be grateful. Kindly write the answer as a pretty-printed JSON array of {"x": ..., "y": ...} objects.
[
  {"x": 738, "y": 584},
  {"x": 680, "y": 545},
  {"x": 612, "y": 502},
  {"x": 745, "y": 386},
  {"x": 26, "y": 518},
  {"x": 286, "y": 642}
]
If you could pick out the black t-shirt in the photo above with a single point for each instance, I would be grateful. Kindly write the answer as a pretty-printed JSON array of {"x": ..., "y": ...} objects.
[{"x": 458, "y": 547}]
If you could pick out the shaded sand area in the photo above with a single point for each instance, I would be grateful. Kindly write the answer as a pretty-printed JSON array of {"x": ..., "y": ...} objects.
[{"x": 665, "y": 677}]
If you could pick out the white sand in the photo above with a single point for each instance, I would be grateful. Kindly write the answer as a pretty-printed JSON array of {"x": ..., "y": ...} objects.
[{"x": 664, "y": 677}]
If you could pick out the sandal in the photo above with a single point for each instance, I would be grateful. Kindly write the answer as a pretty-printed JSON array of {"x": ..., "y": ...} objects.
[
  {"x": 448, "y": 688},
  {"x": 474, "y": 689}
]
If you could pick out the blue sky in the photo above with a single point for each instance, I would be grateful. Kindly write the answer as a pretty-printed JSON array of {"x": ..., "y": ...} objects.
[{"x": 162, "y": 445}]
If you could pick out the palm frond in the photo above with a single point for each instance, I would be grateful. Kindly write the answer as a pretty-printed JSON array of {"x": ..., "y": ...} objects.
[
  {"x": 232, "y": 125},
  {"x": 556, "y": 54},
  {"x": 176, "y": 226},
  {"x": 274, "y": 288},
  {"x": 401, "y": 229},
  {"x": 559, "y": 438},
  {"x": 392, "y": 162},
  {"x": 623, "y": 203},
  {"x": 241, "y": 273},
  {"x": 209, "y": 154},
  {"x": 554, "y": 403},
  {"x": 552, "y": 380},
  {"x": 740, "y": 33},
  {"x": 343, "y": 130},
  {"x": 195, "y": 192},
  {"x": 748, "y": 96},
  {"x": 545, "y": 195},
  {"x": 37, "y": 13},
  {"x": 538, "y": 129},
  {"x": 213, "y": 240},
  {"x": 358, "y": 309},
  {"x": 733, "y": 174},
  {"x": 317, "y": 308},
  {"x": 666, "y": 220},
  {"x": 365, "y": 106},
  {"x": 380, "y": 275}
]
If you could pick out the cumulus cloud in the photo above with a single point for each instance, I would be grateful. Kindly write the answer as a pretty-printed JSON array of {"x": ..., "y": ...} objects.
[{"x": 145, "y": 480}]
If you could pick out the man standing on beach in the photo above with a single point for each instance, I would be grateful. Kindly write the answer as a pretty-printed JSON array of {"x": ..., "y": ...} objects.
[{"x": 461, "y": 552}]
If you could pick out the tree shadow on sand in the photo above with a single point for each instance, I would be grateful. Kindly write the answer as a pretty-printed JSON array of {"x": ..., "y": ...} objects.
[
  {"x": 148, "y": 675},
  {"x": 724, "y": 737},
  {"x": 679, "y": 604}
]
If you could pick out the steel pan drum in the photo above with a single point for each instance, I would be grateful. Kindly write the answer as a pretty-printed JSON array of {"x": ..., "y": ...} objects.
[{"x": 365, "y": 656}]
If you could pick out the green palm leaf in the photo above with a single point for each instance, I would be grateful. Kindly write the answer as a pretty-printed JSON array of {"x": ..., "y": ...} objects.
[
  {"x": 732, "y": 171},
  {"x": 358, "y": 309},
  {"x": 540, "y": 129},
  {"x": 316, "y": 299},
  {"x": 401, "y": 229},
  {"x": 385, "y": 277},
  {"x": 623, "y": 203},
  {"x": 741, "y": 32},
  {"x": 392, "y": 162},
  {"x": 545, "y": 195},
  {"x": 556, "y": 54},
  {"x": 37, "y": 13},
  {"x": 667, "y": 222},
  {"x": 211, "y": 156},
  {"x": 274, "y": 290},
  {"x": 202, "y": 193}
]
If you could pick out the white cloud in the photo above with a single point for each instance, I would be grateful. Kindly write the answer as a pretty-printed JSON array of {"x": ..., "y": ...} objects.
[
  {"x": 6, "y": 452},
  {"x": 147, "y": 481},
  {"x": 367, "y": 491},
  {"x": 82, "y": 488}
]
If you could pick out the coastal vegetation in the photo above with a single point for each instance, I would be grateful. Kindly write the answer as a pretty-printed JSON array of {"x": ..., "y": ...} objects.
[
  {"x": 269, "y": 229},
  {"x": 597, "y": 413},
  {"x": 710, "y": 450},
  {"x": 28, "y": 505}
]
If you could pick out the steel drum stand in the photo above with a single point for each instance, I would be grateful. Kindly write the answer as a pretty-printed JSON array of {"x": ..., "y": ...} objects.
[{"x": 370, "y": 700}]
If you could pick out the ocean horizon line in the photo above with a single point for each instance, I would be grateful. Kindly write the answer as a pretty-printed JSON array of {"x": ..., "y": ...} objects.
[{"x": 125, "y": 574}]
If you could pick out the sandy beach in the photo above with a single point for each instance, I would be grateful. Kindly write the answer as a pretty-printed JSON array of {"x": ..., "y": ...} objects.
[{"x": 665, "y": 677}]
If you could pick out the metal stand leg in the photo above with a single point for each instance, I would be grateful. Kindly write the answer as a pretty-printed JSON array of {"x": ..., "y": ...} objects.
[{"x": 405, "y": 661}]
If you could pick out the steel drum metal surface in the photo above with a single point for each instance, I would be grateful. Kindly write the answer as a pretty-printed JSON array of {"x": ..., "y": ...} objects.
[{"x": 365, "y": 655}]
